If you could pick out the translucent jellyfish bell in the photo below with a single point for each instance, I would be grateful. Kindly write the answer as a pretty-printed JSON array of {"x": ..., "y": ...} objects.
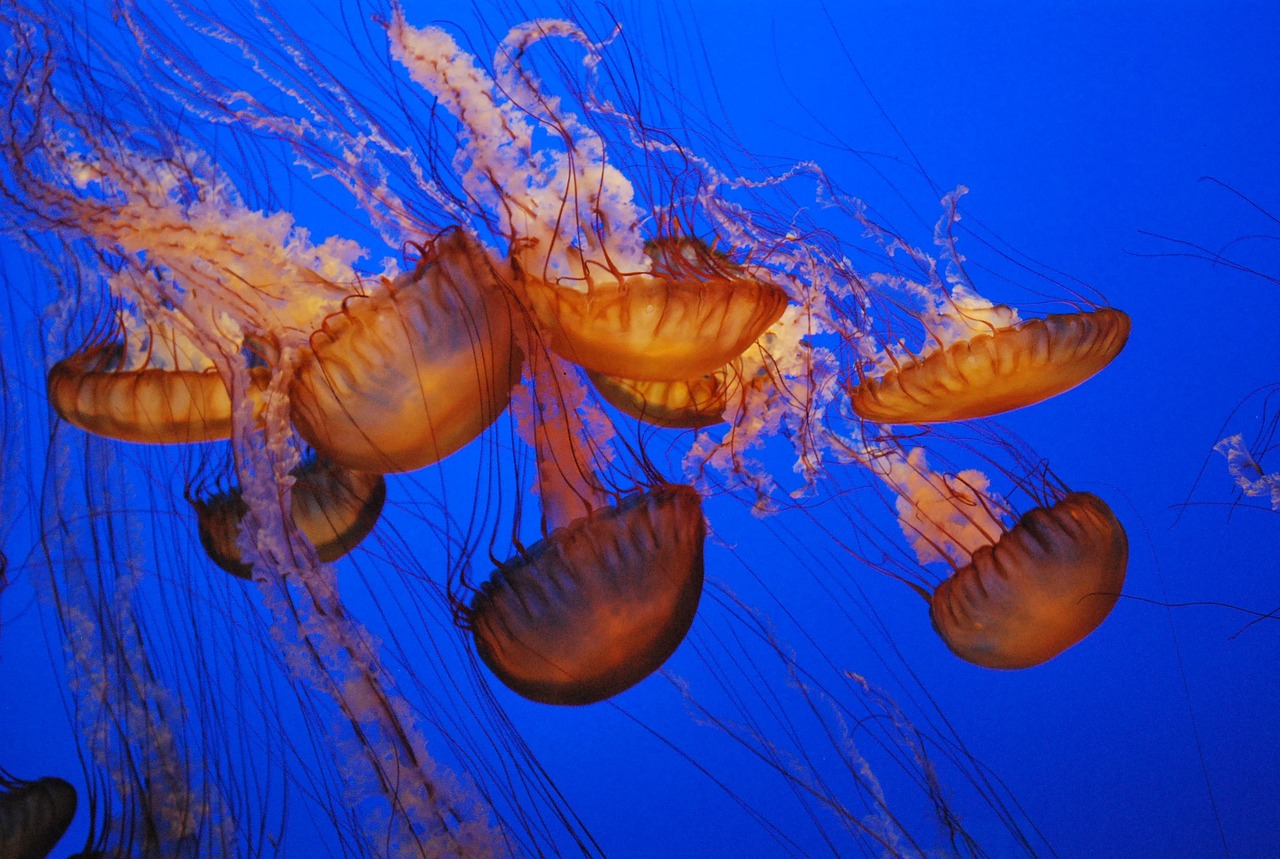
[
  {"x": 655, "y": 328},
  {"x": 997, "y": 371},
  {"x": 606, "y": 597},
  {"x": 92, "y": 390},
  {"x": 1041, "y": 588},
  {"x": 405, "y": 377},
  {"x": 335, "y": 508},
  {"x": 690, "y": 404},
  {"x": 1019, "y": 595}
]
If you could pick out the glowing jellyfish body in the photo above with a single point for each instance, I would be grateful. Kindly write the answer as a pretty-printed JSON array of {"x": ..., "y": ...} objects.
[
  {"x": 405, "y": 377},
  {"x": 655, "y": 329},
  {"x": 334, "y": 507},
  {"x": 599, "y": 604},
  {"x": 1041, "y": 588},
  {"x": 691, "y": 404},
  {"x": 994, "y": 372},
  {"x": 606, "y": 597},
  {"x": 33, "y": 816},
  {"x": 149, "y": 405},
  {"x": 1019, "y": 595}
]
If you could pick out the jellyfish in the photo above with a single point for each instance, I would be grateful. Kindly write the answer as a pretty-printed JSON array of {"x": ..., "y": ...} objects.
[
  {"x": 982, "y": 359},
  {"x": 345, "y": 690},
  {"x": 34, "y": 815},
  {"x": 608, "y": 595},
  {"x": 404, "y": 377},
  {"x": 1018, "y": 595},
  {"x": 335, "y": 508}
]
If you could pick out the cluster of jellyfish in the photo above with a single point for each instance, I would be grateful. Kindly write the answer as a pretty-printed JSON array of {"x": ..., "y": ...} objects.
[{"x": 577, "y": 289}]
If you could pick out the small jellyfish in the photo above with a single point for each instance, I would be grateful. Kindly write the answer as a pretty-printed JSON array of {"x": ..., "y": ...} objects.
[
  {"x": 1019, "y": 595},
  {"x": 996, "y": 370},
  {"x": 336, "y": 508},
  {"x": 408, "y": 375},
  {"x": 606, "y": 597},
  {"x": 34, "y": 815},
  {"x": 93, "y": 391}
]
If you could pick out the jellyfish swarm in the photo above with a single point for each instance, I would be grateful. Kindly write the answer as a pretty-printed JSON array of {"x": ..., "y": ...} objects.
[{"x": 981, "y": 359}]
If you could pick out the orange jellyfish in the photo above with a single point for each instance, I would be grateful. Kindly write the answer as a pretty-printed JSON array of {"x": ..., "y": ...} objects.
[
  {"x": 335, "y": 507},
  {"x": 94, "y": 391},
  {"x": 408, "y": 375},
  {"x": 995, "y": 371},
  {"x": 983, "y": 359},
  {"x": 34, "y": 815},
  {"x": 610, "y": 592},
  {"x": 1019, "y": 595}
]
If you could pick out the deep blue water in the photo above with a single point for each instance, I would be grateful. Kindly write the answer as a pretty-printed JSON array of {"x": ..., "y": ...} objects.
[{"x": 1084, "y": 133}]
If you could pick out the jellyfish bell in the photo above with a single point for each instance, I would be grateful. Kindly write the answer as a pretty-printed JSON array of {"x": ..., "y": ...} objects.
[
  {"x": 335, "y": 507},
  {"x": 609, "y": 593},
  {"x": 1044, "y": 586},
  {"x": 689, "y": 404},
  {"x": 599, "y": 604},
  {"x": 995, "y": 371},
  {"x": 653, "y": 328},
  {"x": 34, "y": 815},
  {"x": 1019, "y": 595},
  {"x": 94, "y": 390},
  {"x": 406, "y": 376}
]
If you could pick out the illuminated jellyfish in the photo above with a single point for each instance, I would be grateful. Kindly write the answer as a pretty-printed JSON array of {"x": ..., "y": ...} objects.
[
  {"x": 608, "y": 595},
  {"x": 33, "y": 815},
  {"x": 411, "y": 373},
  {"x": 1019, "y": 594},
  {"x": 980, "y": 359},
  {"x": 334, "y": 507}
]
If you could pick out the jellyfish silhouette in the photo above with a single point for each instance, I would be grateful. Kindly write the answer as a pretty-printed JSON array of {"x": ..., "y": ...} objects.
[{"x": 33, "y": 815}]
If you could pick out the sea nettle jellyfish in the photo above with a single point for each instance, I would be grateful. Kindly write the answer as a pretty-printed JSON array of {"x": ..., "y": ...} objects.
[
  {"x": 980, "y": 359},
  {"x": 609, "y": 593},
  {"x": 574, "y": 235},
  {"x": 1021, "y": 593},
  {"x": 33, "y": 815}
]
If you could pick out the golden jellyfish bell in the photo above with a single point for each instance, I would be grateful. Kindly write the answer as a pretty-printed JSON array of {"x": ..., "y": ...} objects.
[
  {"x": 402, "y": 379},
  {"x": 599, "y": 604},
  {"x": 689, "y": 318},
  {"x": 689, "y": 404},
  {"x": 148, "y": 405},
  {"x": 995, "y": 372},
  {"x": 335, "y": 508},
  {"x": 1044, "y": 586}
]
